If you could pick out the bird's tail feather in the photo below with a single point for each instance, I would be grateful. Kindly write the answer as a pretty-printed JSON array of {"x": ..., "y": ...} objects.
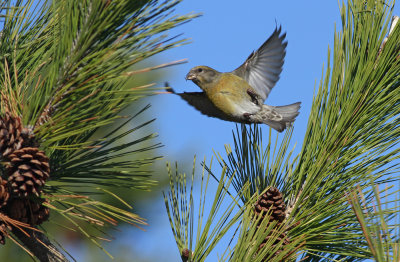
[{"x": 285, "y": 116}]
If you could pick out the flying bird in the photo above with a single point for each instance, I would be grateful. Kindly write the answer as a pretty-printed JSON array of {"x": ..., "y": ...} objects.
[{"x": 239, "y": 95}]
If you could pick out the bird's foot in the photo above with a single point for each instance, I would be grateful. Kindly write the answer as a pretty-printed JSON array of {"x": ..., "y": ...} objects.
[{"x": 247, "y": 115}]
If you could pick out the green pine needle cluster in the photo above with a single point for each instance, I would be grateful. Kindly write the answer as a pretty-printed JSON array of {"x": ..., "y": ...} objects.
[
  {"x": 379, "y": 222},
  {"x": 181, "y": 211},
  {"x": 351, "y": 145}
]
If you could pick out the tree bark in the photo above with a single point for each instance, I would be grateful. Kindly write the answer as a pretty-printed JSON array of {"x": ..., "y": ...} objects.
[{"x": 40, "y": 246}]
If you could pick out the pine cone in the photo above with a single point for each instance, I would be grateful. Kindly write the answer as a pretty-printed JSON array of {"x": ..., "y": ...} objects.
[
  {"x": 4, "y": 192},
  {"x": 28, "y": 171},
  {"x": 272, "y": 201},
  {"x": 10, "y": 134},
  {"x": 28, "y": 211}
]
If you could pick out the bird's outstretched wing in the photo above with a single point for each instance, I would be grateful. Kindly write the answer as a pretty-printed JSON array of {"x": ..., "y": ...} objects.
[
  {"x": 200, "y": 101},
  {"x": 263, "y": 67}
]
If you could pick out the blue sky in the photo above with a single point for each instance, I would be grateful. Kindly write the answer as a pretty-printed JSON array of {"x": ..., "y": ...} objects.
[{"x": 223, "y": 38}]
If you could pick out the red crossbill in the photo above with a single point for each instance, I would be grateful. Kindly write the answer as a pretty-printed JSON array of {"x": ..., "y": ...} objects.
[{"x": 239, "y": 95}]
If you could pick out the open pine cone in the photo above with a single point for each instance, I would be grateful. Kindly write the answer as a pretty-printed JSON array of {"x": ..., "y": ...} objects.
[
  {"x": 28, "y": 171},
  {"x": 10, "y": 134},
  {"x": 272, "y": 200}
]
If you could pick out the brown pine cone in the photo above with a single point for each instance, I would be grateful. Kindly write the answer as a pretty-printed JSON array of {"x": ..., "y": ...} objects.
[
  {"x": 272, "y": 200},
  {"x": 28, "y": 171},
  {"x": 28, "y": 211},
  {"x": 271, "y": 203},
  {"x": 10, "y": 134},
  {"x": 4, "y": 192}
]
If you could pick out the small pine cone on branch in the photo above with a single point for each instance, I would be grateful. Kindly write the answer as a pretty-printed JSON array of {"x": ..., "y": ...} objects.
[
  {"x": 28, "y": 211},
  {"x": 4, "y": 192},
  {"x": 271, "y": 203},
  {"x": 28, "y": 171},
  {"x": 10, "y": 134}
]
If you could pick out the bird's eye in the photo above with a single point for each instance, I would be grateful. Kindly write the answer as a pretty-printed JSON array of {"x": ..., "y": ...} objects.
[{"x": 199, "y": 70}]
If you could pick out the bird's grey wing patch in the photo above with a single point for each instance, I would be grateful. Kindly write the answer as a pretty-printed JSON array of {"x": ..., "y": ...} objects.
[
  {"x": 200, "y": 101},
  {"x": 263, "y": 67}
]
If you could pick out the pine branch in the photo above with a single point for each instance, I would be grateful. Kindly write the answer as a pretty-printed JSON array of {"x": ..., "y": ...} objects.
[
  {"x": 251, "y": 162},
  {"x": 379, "y": 222},
  {"x": 353, "y": 130},
  {"x": 40, "y": 246},
  {"x": 261, "y": 238}
]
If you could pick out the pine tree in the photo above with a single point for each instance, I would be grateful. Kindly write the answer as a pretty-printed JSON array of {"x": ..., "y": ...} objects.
[
  {"x": 324, "y": 203},
  {"x": 64, "y": 70}
]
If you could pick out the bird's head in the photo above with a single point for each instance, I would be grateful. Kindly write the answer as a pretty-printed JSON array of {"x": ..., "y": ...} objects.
[{"x": 202, "y": 76}]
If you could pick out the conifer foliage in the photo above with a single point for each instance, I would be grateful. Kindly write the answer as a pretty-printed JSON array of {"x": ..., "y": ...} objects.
[
  {"x": 321, "y": 204},
  {"x": 67, "y": 69}
]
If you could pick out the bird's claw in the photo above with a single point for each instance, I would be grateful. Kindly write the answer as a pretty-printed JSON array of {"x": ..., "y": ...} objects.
[{"x": 247, "y": 115}]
